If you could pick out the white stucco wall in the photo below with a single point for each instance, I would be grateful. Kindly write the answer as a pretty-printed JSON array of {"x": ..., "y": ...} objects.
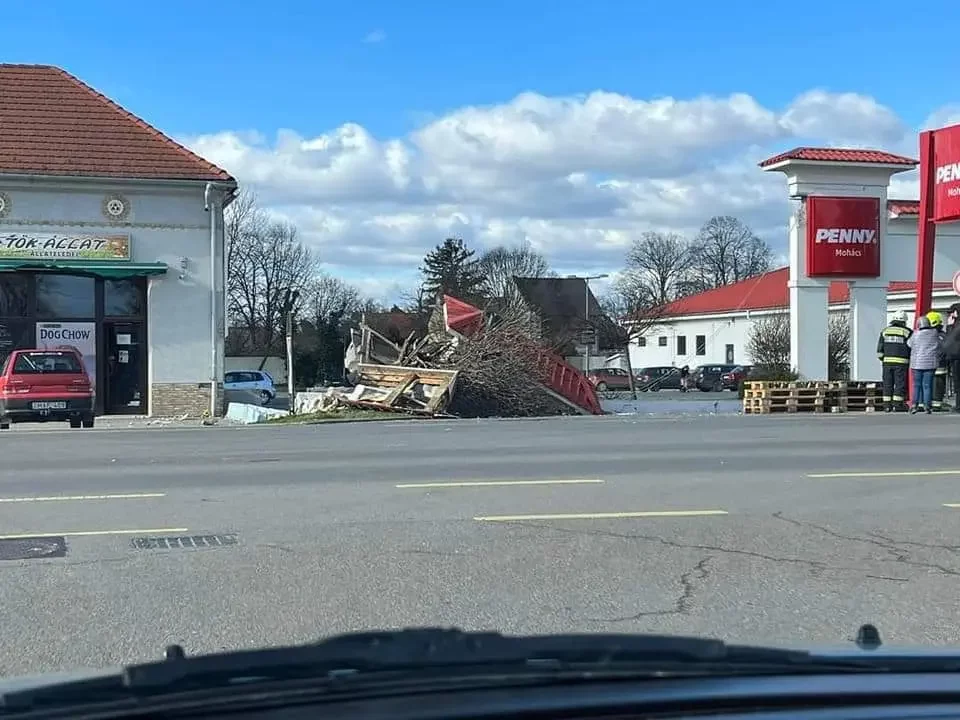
[
  {"x": 900, "y": 250},
  {"x": 166, "y": 222},
  {"x": 735, "y": 329}
]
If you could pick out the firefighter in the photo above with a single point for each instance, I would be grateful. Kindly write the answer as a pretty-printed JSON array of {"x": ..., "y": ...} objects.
[
  {"x": 894, "y": 353},
  {"x": 951, "y": 352},
  {"x": 940, "y": 376}
]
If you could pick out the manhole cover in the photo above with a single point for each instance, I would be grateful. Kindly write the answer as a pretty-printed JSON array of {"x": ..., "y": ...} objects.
[
  {"x": 33, "y": 548},
  {"x": 184, "y": 541}
]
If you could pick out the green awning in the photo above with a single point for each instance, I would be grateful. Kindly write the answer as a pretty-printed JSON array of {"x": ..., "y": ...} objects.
[{"x": 109, "y": 270}]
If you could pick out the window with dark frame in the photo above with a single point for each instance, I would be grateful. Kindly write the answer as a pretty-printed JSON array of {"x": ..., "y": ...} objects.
[
  {"x": 701, "y": 344},
  {"x": 641, "y": 342},
  {"x": 681, "y": 344},
  {"x": 662, "y": 341}
]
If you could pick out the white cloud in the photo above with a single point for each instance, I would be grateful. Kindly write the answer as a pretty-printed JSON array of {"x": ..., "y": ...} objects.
[
  {"x": 577, "y": 177},
  {"x": 375, "y": 36}
]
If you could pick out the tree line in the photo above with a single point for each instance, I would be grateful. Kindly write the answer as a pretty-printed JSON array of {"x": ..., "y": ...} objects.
[{"x": 265, "y": 258}]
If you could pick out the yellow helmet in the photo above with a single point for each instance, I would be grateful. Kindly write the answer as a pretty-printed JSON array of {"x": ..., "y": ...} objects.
[{"x": 935, "y": 318}]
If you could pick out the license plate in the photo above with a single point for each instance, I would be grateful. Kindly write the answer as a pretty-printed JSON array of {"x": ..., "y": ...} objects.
[{"x": 50, "y": 405}]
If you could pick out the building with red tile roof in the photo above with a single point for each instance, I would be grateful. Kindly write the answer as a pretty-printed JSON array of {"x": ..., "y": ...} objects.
[{"x": 112, "y": 228}]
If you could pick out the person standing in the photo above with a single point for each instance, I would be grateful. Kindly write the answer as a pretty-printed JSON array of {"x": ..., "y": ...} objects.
[
  {"x": 894, "y": 352},
  {"x": 924, "y": 355},
  {"x": 940, "y": 375},
  {"x": 950, "y": 349}
]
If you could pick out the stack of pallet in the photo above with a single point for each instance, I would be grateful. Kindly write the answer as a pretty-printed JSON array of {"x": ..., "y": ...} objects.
[{"x": 762, "y": 397}]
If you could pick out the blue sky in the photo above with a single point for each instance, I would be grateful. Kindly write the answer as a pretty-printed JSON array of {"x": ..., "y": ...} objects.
[
  {"x": 195, "y": 67},
  {"x": 408, "y": 124}
]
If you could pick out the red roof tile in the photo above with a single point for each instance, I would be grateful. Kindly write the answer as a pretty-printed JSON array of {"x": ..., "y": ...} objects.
[
  {"x": 903, "y": 207},
  {"x": 839, "y": 155},
  {"x": 51, "y": 123},
  {"x": 764, "y": 292}
]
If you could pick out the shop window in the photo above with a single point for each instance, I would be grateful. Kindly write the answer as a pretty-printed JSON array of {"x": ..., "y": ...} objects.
[
  {"x": 65, "y": 296},
  {"x": 662, "y": 341},
  {"x": 701, "y": 344},
  {"x": 14, "y": 295},
  {"x": 122, "y": 298},
  {"x": 681, "y": 344}
]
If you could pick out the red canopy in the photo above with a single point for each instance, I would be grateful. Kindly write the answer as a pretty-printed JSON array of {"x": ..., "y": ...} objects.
[{"x": 460, "y": 317}]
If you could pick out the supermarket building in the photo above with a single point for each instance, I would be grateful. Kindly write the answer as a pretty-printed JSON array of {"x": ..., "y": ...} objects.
[{"x": 111, "y": 242}]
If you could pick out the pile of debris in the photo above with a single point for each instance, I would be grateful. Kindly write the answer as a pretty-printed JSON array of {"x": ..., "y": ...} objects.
[{"x": 495, "y": 365}]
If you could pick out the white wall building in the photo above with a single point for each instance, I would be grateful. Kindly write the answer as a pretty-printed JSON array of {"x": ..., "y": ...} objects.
[
  {"x": 714, "y": 326},
  {"x": 111, "y": 240}
]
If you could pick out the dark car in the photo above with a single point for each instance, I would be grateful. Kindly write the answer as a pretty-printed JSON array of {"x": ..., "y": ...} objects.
[
  {"x": 609, "y": 379},
  {"x": 659, "y": 377},
  {"x": 44, "y": 385},
  {"x": 731, "y": 380},
  {"x": 709, "y": 378}
]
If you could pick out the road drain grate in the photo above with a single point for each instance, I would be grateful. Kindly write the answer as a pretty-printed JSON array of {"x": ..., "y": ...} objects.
[
  {"x": 34, "y": 548},
  {"x": 185, "y": 541}
]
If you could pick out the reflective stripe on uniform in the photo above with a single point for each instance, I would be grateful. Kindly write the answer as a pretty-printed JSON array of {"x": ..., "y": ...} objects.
[
  {"x": 941, "y": 371},
  {"x": 894, "y": 331},
  {"x": 898, "y": 398},
  {"x": 896, "y": 361},
  {"x": 937, "y": 404}
]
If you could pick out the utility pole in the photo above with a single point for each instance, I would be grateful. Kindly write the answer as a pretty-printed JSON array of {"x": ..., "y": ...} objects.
[
  {"x": 586, "y": 317},
  {"x": 289, "y": 301}
]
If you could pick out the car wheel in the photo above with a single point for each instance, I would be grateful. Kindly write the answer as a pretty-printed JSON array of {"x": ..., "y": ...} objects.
[
  {"x": 602, "y": 386},
  {"x": 88, "y": 422},
  {"x": 265, "y": 397},
  {"x": 75, "y": 423}
]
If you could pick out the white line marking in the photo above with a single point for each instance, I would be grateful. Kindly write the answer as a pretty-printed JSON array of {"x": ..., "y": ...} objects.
[
  {"x": 899, "y": 473},
  {"x": 602, "y": 516},
  {"x": 92, "y": 533},
  {"x": 494, "y": 483},
  {"x": 55, "y": 498}
]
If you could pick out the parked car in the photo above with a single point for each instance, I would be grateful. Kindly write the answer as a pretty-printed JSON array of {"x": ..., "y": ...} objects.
[
  {"x": 709, "y": 378},
  {"x": 731, "y": 380},
  {"x": 660, "y": 377},
  {"x": 254, "y": 381},
  {"x": 45, "y": 385},
  {"x": 609, "y": 379}
]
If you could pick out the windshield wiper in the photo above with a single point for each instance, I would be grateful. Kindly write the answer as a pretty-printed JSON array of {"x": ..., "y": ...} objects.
[{"x": 420, "y": 651}]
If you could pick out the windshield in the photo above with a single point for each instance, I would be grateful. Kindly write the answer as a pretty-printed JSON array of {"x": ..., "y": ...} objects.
[
  {"x": 551, "y": 319},
  {"x": 31, "y": 363}
]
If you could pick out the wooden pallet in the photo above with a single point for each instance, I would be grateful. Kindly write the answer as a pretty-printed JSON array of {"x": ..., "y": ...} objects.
[{"x": 761, "y": 397}]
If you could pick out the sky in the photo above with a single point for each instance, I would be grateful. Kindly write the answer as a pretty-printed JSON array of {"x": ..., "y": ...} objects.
[{"x": 383, "y": 127}]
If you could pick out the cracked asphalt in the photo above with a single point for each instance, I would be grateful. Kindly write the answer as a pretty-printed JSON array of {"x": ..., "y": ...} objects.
[{"x": 772, "y": 529}]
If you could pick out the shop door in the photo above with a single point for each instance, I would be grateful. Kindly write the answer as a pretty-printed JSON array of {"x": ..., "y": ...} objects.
[{"x": 126, "y": 369}]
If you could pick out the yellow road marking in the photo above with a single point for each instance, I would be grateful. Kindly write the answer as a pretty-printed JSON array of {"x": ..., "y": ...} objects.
[
  {"x": 904, "y": 473},
  {"x": 53, "y": 498},
  {"x": 492, "y": 483},
  {"x": 91, "y": 533},
  {"x": 602, "y": 515}
]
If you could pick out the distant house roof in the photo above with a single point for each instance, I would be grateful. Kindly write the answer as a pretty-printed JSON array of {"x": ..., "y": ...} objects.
[
  {"x": 51, "y": 123},
  {"x": 764, "y": 292},
  {"x": 561, "y": 304},
  {"x": 396, "y": 326},
  {"x": 814, "y": 154},
  {"x": 899, "y": 208}
]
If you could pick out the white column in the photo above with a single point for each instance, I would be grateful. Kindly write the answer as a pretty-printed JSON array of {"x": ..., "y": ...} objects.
[
  {"x": 808, "y": 330},
  {"x": 868, "y": 315}
]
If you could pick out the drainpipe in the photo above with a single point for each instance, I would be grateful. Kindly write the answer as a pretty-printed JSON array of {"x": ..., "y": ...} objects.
[{"x": 210, "y": 207}]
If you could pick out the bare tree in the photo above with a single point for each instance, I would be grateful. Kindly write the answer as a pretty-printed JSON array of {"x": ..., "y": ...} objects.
[
  {"x": 657, "y": 265},
  {"x": 501, "y": 264},
  {"x": 328, "y": 297},
  {"x": 725, "y": 251},
  {"x": 768, "y": 343}
]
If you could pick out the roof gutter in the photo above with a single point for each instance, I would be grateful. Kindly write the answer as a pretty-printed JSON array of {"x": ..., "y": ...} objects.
[{"x": 113, "y": 180}]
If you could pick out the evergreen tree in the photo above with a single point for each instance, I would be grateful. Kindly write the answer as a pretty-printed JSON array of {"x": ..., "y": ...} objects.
[{"x": 450, "y": 268}]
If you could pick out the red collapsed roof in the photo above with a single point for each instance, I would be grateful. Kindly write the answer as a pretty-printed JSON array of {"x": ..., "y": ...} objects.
[
  {"x": 764, "y": 292},
  {"x": 813, "y": 154},
  {"x": 461, "y": 317},
  {"x": 51, "y": 123}
]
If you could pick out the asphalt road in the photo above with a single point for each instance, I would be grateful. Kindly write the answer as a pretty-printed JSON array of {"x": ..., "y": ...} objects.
[{"x": 760, "y": 529}]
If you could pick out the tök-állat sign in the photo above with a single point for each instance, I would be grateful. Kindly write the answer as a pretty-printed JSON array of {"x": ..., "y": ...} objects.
[
  {"x": 31, "y": 246},
  {"x": 843, "y": 237}
]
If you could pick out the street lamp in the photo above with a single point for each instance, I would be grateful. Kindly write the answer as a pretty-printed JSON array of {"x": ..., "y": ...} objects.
[{"x": 586, "y": 313}]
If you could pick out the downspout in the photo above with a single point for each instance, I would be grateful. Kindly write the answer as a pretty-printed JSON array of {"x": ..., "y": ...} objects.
[{"x": 211, "y": 208}]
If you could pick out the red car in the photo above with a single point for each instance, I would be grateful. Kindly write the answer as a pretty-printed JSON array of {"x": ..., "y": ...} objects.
[{"x": 44, "y": 385}]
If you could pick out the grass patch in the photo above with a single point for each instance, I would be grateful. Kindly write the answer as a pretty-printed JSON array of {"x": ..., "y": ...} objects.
[{"x": 341, "y": 415}]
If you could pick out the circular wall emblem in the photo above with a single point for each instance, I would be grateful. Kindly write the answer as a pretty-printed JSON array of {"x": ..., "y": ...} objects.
[
  {"x": 116, "y": 207},
  {"x": 5, "y": 205}
]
